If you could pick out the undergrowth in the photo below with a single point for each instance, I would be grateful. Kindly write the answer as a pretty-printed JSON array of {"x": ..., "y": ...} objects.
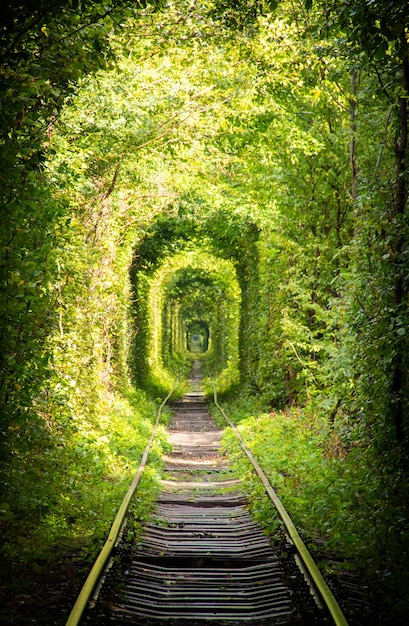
[
  {"x": 335, "y": 495},
  {"x": 64, "y": 489}
]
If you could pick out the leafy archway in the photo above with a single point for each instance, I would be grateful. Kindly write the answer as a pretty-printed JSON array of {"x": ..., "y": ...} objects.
[
  {"x": 188, "y": 286},
  {"x": 228, "y": 236}
]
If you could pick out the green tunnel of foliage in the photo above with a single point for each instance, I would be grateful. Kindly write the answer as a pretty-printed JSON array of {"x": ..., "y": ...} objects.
[
  {"x": 189, "y": 287},
  {"x": 238, "y": 169},
  {"x": 177, "y": 286}
]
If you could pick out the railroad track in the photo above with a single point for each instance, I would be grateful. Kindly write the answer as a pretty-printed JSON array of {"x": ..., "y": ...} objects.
[{"x": 201, "y": 558}]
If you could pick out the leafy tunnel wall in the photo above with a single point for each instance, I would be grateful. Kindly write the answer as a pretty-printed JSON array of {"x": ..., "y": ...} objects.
[
  {"x": 184, "y": 270},
  {"x": 191, "y": 286}
]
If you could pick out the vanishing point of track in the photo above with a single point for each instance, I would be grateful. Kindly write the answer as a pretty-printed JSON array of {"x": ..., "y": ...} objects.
[{"x": 201, "y": 558}]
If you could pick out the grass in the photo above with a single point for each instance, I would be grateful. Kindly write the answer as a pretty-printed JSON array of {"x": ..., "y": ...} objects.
[
  {"x": 335, "y": 494},
  {"x": 64, "y": 489}
]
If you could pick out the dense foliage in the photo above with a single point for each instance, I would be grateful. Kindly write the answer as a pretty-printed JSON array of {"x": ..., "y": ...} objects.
[{"x": 234, "y": 167}]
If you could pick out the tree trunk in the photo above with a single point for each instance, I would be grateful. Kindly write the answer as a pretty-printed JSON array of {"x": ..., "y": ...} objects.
[{"x": 353, "y": 112}]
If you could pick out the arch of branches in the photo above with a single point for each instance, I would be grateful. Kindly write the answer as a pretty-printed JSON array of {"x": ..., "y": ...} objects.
[{"x": 191, "y": 279}]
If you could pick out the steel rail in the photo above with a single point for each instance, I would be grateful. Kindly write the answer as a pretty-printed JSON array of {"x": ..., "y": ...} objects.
[
  {"x": 100, "y": 564},
  {"x": 308, "y": 562}
]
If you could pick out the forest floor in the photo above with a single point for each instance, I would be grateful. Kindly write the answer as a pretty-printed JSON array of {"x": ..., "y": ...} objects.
[{"x": 44, "y": 597}]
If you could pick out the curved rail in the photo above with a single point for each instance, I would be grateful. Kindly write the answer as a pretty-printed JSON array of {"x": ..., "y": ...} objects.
[
  {"x": 308, "y": 563},
  {"x": 116, "y": 528}
]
